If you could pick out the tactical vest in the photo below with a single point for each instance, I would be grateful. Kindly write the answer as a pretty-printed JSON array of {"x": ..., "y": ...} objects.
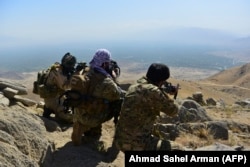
[
  {"x": 81, "y": 97},
  {"x": 40, "y": 86},
  {"x": 81, "y": 94}
]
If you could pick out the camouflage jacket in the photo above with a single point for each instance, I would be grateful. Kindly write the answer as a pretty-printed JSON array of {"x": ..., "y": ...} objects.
[
  {"x": 99, "y": 91},
  {"x": 57, "y": 79},
  {"x": 56, "y": 83},
  {"x": 142, "y": 103}
]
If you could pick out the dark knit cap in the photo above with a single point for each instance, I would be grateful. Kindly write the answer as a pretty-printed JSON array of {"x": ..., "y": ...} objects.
[
  {"x": 158, "y": 72},
  {"x": 68, "y": 60}
]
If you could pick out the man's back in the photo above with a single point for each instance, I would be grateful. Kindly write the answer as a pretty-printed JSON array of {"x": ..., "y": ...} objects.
[{"x": 142, "y": 103}]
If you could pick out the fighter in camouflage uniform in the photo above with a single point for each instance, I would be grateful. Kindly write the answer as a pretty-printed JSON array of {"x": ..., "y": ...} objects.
[
  {"x": 98, "y": 90},
  {"x": 142, "y": 103},
  {"x": 59, "y": 80}
]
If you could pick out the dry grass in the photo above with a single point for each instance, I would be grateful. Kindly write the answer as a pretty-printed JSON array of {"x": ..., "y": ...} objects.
[
  {"x": 203, "y": 137},
  {"x": 193, "y": 141}
]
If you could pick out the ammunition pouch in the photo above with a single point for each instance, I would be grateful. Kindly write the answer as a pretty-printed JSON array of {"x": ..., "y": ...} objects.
[
  {"x": 115, "y": 108},
  {"x": 71, "y": 98},
  {"x": 47, "y": 91},
  {"x": 97, "y": 108}
]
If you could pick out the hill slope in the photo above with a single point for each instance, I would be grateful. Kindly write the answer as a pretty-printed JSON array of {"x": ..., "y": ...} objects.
[
  {"x": 234, "y": 81},
  {"x": 229, "y": 85},
  {"x": 239, "y": 76}
]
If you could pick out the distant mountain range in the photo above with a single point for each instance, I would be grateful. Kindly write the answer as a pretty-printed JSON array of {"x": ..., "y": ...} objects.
[
  {"x": 180, "y": 47},
  {"x": 190, "y": 36}
]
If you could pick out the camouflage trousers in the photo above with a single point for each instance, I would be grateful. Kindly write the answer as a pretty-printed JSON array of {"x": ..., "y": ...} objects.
[
  {"x": 52, "y": 106},
  {"x": 89, "y": 125},
  {"x": 90, "y": 133},
  {"x": 89, "y": 122}
]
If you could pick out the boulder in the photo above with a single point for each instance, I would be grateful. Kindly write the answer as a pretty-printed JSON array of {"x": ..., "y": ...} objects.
[
  {"x": 22, "y": 90},
  {"x": 23, "y": 138}
]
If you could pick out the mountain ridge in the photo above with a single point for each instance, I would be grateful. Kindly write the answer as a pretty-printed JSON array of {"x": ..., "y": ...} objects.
[{"x": 239, "y": 76}]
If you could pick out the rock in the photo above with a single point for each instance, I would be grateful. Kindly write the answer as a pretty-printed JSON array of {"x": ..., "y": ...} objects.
[
  {"x": 218, "y": 129},
  {"x": 216, "y": 147},
  {"x": 211, "y": 101},
  {"x": 40, "y": 104},
  {"x": 11, "y": 156},
  {"x": 22, "y": 90},
  {"x": 243, "y": 103},
  {"x": 198, "y": 97},
  {"x": 9, "y": 92},
  {"x": 3, "y": 100},
  {"x": 238, "y": 127},
  {"x": 23, "y": 140},
  {"x": 220, "y": 103},
  {"x": 25, "y": 101},
  {"x": 191, "y": 111},
  {"x": 50, "y": 125}
]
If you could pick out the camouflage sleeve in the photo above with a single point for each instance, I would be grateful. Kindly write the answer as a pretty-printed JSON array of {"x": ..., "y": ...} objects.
[
  {"x": 109, "y": 90},
  {"x": 149, "y": 97},
  {"x": 59, "y": 80},
  {"x": 164, "y": 102}
]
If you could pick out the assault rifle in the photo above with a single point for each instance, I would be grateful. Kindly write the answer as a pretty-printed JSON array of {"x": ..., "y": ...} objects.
[
  {"x": 80, "y": 66},
  {"x": 112, "y": 67},
  {"x": 73, "y": 98},
  {"x": 169, "y": 88}
]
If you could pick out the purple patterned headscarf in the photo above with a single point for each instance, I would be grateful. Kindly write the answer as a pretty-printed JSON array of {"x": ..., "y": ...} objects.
[{"x": 101, "y": 56}]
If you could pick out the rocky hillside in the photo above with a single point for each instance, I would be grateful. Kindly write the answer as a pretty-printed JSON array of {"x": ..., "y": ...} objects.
[
  {"x": 234, "y": 81},
  {"x": 214, "y": 115},
  {"x": 230, "y": 85},
  {"x": 238, "y": 76}
]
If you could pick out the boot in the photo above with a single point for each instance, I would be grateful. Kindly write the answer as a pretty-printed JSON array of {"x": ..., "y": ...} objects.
[
  {"x": 47, "y": 112},
  {"x": 94, "y": 133}
]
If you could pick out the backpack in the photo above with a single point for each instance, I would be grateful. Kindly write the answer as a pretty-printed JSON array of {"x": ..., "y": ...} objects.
[
  {"x": 40, "y": 87},
  {"x": 74, "y": 97},
  {"x": 79, "y": 96}
]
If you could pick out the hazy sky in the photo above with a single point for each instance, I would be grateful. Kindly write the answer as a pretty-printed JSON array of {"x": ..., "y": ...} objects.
[{"x": 33, "y": 21}]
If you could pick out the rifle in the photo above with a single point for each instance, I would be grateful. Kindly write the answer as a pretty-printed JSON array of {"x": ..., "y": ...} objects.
[
  {"x": 170, "y": 89},
  {"x": 80, "y": 66},
  {"x": 73, "y": 98}
]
